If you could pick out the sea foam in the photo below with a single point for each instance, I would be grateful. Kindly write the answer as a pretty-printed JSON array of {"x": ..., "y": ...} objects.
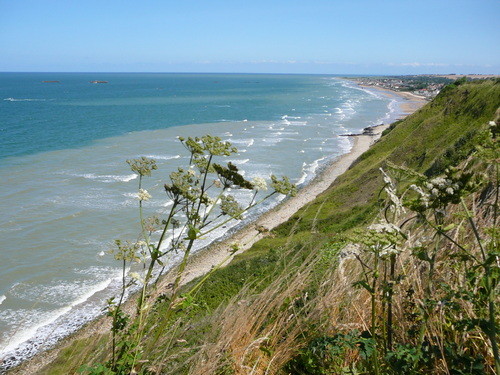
[
  {"x": 163, "y": 157},
  {"x": 24, "y": 100},
  {"x": 108, "y": 178}
]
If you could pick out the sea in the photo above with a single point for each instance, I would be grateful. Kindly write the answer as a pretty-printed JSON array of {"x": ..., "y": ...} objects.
[{"x": 67, "y": 193}]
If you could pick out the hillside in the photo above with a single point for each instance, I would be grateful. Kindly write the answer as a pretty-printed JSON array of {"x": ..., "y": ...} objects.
[{"x": 333, "y": 290}]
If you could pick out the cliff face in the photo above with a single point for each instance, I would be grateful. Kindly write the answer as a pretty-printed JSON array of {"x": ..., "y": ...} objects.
[{"x": 319, "y": 295}]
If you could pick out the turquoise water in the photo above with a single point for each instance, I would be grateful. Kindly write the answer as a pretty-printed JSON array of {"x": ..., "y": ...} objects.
[
  {"x": 39, "y": 116},
  {"x": 67, "y": 192}
]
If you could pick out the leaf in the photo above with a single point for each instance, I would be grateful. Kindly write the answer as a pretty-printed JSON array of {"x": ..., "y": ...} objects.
[
  {"x": 492, "y": 258},
  {"x": 366, "y": 345},
  {"x": 449, "y": 227},
  {"x": 486, "y": 326},
  {"x": 363, "y": 284},
  {"x": 421, "y": 254},
  {"x": 192, "y": 233}
]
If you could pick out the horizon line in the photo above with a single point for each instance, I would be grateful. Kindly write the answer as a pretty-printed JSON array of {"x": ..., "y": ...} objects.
[{"x": 250, "y": 73}]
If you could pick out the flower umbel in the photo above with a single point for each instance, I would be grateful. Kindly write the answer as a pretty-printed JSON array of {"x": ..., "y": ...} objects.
[
  {"x": 142, "y": 166},
  {"x": 283, "y": 186},
  {"x": 259, "y": 184},
  {"x": 143, "y": 195},
  {"x": 229, "y": 206}
]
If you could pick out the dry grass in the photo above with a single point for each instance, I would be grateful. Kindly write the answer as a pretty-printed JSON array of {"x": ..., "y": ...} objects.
[{"x": 259, "y": 334}]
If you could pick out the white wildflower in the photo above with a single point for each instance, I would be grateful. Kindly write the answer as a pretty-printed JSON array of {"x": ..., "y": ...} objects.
[
  {"x": 135, "y": 276},
  {"x": 388, "y": 252},
  {"x": 390, "y": 189},
  {"x": 492, "y": 123},
  {"x": 449, "y": 190},
  {"x": 439, "y": 182},
  {"x": 418, "y": 189},
  {"x": 259, "y": 183},
  {"x": 398, "y": 205},
  {"x": 143, "y": 195},
  {"x": 384, "y": 227},
  {"x": 376, "y": 227},
  {"x": 424, "y": 197},
  {"x": 434, "y": 191},
  {"x": 387, "y": 179}
]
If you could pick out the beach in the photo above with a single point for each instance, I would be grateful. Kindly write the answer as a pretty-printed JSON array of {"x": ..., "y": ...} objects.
[
  {"x": 218, "y": 254},
  {"x": 413, "y": 103}
]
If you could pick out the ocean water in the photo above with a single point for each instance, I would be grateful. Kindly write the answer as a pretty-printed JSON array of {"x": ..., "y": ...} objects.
[{"x": 66, "y": 192}]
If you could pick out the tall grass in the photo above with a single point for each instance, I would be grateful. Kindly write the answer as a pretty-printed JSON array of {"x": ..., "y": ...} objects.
[
  {"x": 288, "y": 305},
  {"x": 411, "y": 297}
]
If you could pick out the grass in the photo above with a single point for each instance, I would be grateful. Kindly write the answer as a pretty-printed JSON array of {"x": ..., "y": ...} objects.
[{"x": 439, "y": 135}]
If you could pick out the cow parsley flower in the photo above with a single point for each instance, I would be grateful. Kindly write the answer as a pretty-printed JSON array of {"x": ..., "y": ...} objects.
[
  {"x": 136, "y": 277},
  {"x": 143, "y": 195},
  {"x": 424, "y": 197},
  {"x": 386, "y": 177},
  {"x": 229, "y": 206},
  {"x": 387, "y": 252},
  {"x": 384, "y": 227},
  {"x": 283, "y": 186},
  {"x": 259, "y": 184},
  {"x": 142, "y": 166}
]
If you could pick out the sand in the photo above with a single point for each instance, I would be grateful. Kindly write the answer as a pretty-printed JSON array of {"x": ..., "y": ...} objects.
[
  {"x": 218, "y": 254},
  {"x": 413, "y": 102}
]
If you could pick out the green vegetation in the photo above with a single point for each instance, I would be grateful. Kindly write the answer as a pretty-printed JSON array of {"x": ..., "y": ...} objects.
[
  {"x": 201, "y": 203},
  {"x": 394, "y": 269}
]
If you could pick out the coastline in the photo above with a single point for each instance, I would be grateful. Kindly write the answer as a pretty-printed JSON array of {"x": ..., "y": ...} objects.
[
  {"x": 217, "y": 254},
  {"x": 412, "y": 102}
]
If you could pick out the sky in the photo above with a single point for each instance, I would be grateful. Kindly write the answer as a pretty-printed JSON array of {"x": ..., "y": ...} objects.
[{"x": 257, "y": 36}]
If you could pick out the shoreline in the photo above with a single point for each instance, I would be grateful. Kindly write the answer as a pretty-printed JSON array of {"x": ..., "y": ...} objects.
[
  {"x": 412, "y": 102},
  {"x": 217, "y": 254}
]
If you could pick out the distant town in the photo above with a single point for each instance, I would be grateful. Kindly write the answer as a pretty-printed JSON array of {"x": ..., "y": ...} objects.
[{"x": 427, "y": 86}]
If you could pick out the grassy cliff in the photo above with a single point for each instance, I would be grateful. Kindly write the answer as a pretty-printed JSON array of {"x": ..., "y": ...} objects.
[{"x": 288, "y": 305}]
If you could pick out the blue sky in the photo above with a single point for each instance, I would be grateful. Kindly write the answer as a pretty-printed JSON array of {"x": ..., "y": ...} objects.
[{"x": 273, "y": 36}]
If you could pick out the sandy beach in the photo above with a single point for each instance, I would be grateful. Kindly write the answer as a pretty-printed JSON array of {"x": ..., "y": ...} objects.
[
  {"x": 218, "y": 253},
  {"x": 413, "y": 103}
]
